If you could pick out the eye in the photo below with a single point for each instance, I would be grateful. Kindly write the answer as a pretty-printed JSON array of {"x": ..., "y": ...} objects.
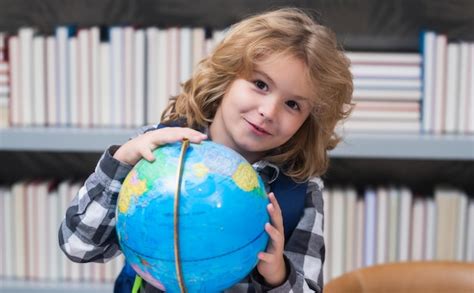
[
  {"x": 293, "y": 105},
  {"x": 261, "y": 85}
]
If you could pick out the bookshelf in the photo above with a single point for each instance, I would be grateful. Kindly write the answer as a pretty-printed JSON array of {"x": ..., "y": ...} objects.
[
  {"x": 354, "y": 145},
  {"x": 360, "y": 25}
]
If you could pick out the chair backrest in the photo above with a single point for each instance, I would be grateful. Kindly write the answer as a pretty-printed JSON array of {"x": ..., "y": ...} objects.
[{"x": 407, "y": 277}]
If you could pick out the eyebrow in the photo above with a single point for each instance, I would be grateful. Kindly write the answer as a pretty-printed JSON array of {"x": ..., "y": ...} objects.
[{"x": 273, "y": 83}]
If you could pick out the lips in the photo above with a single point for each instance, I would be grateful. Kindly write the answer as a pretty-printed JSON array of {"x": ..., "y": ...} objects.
[{"x": 257, "y": 129}]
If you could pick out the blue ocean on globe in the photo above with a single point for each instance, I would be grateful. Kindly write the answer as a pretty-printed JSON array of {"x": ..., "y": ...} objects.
[{"x": 222, "y": 214}]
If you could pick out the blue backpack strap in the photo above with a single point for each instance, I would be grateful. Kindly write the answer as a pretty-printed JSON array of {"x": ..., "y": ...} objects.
[
  {"x": 125, "y": 280},
  {"x": 291, "y": 197}
]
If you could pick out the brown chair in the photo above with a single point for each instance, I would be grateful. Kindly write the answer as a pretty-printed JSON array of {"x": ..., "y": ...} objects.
[{"x": 407, "y": 277}]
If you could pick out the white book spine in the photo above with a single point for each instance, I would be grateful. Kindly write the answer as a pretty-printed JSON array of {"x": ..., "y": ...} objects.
[
  {"x": 39, "y": 80},
  {"x": 84, "y": 88},
  {"x": 461, "y": 226},
  {"x": 198, "y": 45},
  {"x": 405, "y": 220},
  {"x": 370, "y": 224},
  {"x": 73, "y": 67},
  {"x": 95, "y": 75},
  {"x": 15, "y": 81},
  {"x": 440, "y": 84},
  {"x": 403, "y": 95},
  {"x": 173, "y": 42},
  {"x": 380, "y": 57},
  {"x": 327, "y": 233},
  {"x": 26, "y": 74},
  {"x": 463, "y": 102},
  {"x": 429, "y": 49},
  {"x": 470, "y": 233},
  {"x": 382, "y": 236},
  {"x": 394, "y": 203},
  {"x": 3, "y": 240},
  {"x": 152, "y": 66},
  {"x": 386, "y": 71},
  {"x": 8, "y": 225},
  {"x": 51, "y": 82},
  {"x": 338, "y": 236},
  {"x": 359, "y": 247},
  {"x": 128, "y": 54},
  {"x": 44, "y": 243},
  {"x": 18, "y": 191},
  {"x": 139, "y": 78},
  {"x": 105, "y": 85},
  {"x": 351, "y": 199},
  {"x": 185, "y": 54},
  {"x": 62, "y": 76},
  {"x": 452, "y": 88},
  {"x": 164, "y": 71},
  {"x": 118, "y": 98},
  {"x": 417, "y": 228},
  {"x": 470, "y": 111},
  {"x": 54, "y": 252},
  {"x": 430, "y": 231}
]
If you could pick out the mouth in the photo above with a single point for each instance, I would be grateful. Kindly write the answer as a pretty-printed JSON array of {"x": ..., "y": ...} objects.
[{"x": 257, "y": 130}]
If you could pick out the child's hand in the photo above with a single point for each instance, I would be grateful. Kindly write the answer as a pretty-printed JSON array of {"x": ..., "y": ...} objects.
[
  {"x": 272, "y": 265},
  {"x": 143, "y": 145}
]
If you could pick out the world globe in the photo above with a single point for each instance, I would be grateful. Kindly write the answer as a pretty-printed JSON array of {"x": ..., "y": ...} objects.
[{"x": 206, "y": 237}]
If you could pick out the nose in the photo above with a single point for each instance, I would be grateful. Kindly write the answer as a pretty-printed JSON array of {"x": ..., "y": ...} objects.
[{"x": 268, "y": 109}]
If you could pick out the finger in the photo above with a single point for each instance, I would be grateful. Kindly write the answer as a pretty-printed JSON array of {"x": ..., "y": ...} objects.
[
  {"x": 174, "y": 134},
  {"x": 276, "y": 237},
  {"x": 276, "y": 217},
  {"x": 274, "y": 201},
  {"x": 266, "y": 257},
  {"x": 147, "y": 154}
]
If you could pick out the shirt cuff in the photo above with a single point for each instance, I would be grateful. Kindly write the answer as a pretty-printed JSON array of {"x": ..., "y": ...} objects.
[
  {"x": 112, "y": 172},
  {"x": 262, "y": 286}
]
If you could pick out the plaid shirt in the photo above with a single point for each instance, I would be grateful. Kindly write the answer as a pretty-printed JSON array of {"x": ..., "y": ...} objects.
[{"x": 87, "y": 233}]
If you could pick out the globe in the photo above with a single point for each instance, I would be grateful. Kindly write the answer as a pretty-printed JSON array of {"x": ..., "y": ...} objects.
[{"x": 221, "y": 216}]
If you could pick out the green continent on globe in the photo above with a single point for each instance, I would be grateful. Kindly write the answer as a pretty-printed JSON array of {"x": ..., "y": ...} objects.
[
  {"x": 132, "y": 186},
  {"x": 245, "y": 177}
]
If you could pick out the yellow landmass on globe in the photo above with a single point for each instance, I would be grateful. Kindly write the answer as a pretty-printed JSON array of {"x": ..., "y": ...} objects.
[
  {"x": 131, "y": 186},
  {"x": 200, "y": 170},
  {"x": 245, "y": 177}
]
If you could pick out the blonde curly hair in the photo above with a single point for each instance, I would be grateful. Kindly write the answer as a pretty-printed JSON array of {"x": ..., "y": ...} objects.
[{"x": 283, "y": 31}]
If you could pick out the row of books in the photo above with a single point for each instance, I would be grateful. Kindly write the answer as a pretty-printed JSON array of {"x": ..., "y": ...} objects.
[
  {"x": 124, "y": 76},
  {"x": 448, "y": 79},
  {"x": 384, "y": 224},
  {"x": 392, "y": 224},
  {"x": 120, "y": 76},
  {"x": 30, "y": 214},
  {"x": 387, "y": 92}
]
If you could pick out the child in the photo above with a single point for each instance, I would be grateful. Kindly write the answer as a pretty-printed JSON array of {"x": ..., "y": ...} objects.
[{"x": 273, "y": 90}]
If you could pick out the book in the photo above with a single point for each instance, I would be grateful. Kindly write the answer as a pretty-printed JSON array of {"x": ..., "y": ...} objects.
[
  {"x": 381, "y": 224},
  {"x": 404, "y": 225},
  {"x": 386, "y": 71},
  {"x": 383, "y": 58},
  {"x": 393, "y": 223},
  {"x": 39, "y": 80},
  {"x": 370, "y": 230},
  {"x": 15, "y": 101},
  {"x": 452, "y": 88},
  {"x": 428, "y": 47},
  {"x": 338, "y": 219}
]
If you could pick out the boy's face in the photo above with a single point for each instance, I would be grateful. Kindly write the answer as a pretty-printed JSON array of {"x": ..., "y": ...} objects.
[{"x": 263, "y": 111}]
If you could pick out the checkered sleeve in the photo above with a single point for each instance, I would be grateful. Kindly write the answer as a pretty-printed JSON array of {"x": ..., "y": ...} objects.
[
  {"x": 87, "y": 233},
  {"x": 305, "y": 251}
]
